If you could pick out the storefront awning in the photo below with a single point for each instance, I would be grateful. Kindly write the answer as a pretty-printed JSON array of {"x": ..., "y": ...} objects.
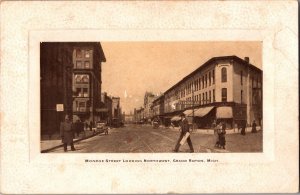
[
  {"x": 176, "y": 118},
  {"x": 189, "y": 112},
  {"x": 203, "y": 111},
  {"x": 224, "y": 112}
]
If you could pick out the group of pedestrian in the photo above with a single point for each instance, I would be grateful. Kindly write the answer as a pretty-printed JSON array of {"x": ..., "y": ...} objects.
[
  {"x": 68, "y": 130},
  {"x": 219, "y": 132},
  {"x": 243, "y": 127}
]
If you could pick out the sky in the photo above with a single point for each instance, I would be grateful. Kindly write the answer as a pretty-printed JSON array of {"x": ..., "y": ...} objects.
[{"x": 132, "y": 68}]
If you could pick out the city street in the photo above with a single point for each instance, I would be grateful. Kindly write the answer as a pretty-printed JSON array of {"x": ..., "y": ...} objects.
[{"x": 145, "y": 139}]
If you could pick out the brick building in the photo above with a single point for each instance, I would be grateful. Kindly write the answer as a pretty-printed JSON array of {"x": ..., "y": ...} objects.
[
  {"x": 225, "y": 88},
  {"x": 71, "y": 78}
]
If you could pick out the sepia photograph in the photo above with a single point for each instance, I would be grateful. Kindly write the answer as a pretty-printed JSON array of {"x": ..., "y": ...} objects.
[{"x": 151, "y": 97}]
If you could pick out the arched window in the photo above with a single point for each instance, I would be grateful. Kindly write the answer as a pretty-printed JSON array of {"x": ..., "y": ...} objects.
[
  {"x": 224, "y": 75},
  {"x": 85, "y": 78},
  {"x": 78, "y": 78}
]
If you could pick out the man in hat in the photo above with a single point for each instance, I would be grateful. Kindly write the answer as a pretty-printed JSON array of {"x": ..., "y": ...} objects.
[
  {"x": 67, "y": 133},
  {"x": 184, "y": 126}
]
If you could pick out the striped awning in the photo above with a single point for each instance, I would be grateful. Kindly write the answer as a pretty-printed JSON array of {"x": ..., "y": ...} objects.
[
  {"x": 224, "y": 112},
  {"x": 203, "y": 111}
]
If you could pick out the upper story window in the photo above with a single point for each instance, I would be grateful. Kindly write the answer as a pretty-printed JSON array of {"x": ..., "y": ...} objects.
[
  {"x": 82, "y": 78},
  {"x": 86, "y": 64},
  {"x": 214, "y": 99},
  {"x": 205, "y": 80},
  {"x": 209, "y": 79},
  {"x": 241, "y": 96},
  {"x": 241, "y": 77},
  {"x": 78, "y": 53},
  {"x": 224, "y": 94},
  {"x": 79, "y": 64},
  {"x": 87, "y": 54},
  {"x": 224, "y": 75},
  {"x": 199, "y": 83},
  {"x": 213, "y": 76}
]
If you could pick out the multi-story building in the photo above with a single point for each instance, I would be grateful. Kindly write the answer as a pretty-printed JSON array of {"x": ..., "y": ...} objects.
[
  {"x": 106, "y": 108},
  {"x": 116, "y": 109},
  {"x": 55, "y": 84},
  {"x": 87, "y": 59},
  {"x": 148, "y": 99},
  {"x": 157, "y": 107},
  {"x": 225, "y": 88},
  {"x": 140, "y": 116},
  {"x": 70, "y": 80}
]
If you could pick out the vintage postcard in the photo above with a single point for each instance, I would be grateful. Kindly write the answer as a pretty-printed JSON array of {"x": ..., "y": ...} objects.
[{"x": 145, "y": 97}]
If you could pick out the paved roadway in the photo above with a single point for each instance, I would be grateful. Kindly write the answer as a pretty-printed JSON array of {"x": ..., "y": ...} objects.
[
  {"x": 139, "y": 139},
  {"x": 145, "y": 139}
]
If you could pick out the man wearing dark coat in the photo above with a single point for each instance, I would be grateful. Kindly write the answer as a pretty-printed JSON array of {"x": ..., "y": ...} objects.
[
  {"x": 184, "y": 126},
  {"x": 243, "y": 132},
  {"x": 67, "y": 133},
  {"x": 253, "y": 127}
]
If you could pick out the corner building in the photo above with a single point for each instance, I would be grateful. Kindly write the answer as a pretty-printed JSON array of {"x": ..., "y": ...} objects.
[
  {"x": 225, "y": 88},
  {"x": 87, "y": 59}
]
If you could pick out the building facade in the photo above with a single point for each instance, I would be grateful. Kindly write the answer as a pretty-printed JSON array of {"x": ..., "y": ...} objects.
[
  {"x": 116, "y": 112},
  {"x": 106, "y": 108},
  {"x": 56, "y": 68},
  {"x": 71, "y": 80},
  {"x": 225, "y": 88},
  {"x": 157, "y": 107},
  {"x": 139, "y": 115},
  {"x": 87, "y": 59},
  {"x": 148, "y": 99}
]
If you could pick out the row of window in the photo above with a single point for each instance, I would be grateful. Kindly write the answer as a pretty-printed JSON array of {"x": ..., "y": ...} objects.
[
  {"x": 82, "y": 79},
  {"x": 81, "y": 52},
  {"x": 204, "y": 98},
  {"x": 200, "y": 83},
  {"x": 81, "y": 92},
  {"x": 82, "y": 65}
]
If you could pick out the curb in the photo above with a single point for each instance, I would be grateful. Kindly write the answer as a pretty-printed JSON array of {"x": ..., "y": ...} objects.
[{"x": 60, "y": 145}]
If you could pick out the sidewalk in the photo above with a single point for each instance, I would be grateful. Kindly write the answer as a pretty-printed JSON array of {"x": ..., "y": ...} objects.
[
  {"x": 211, "y": 131},
  {"x": 55, "y": 141}
]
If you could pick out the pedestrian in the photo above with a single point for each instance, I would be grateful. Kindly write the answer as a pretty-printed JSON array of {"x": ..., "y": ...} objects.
[
  {"x": 184, "y": 127},
  {"x": 243, "y": 131},
  {"x": 81, "y": 127},
  {"x": 67, "y": 133},
  {"x": 222, "y": 140},
  {"x": 91, "y": 127},
  {"x": 214, "y": 125},
  {"x": 217, "y": 131},
  {"x": 77, "y": 127},
  {"x": 253, "y": 127}
]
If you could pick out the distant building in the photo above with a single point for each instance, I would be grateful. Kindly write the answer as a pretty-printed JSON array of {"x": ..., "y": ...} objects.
[
  {"x": 148, "y": 99},
  {"x": 116, "y": 107},
  {"x": 157, "y": 107},
  {"x": 106, "y": 108},
  {"x": 139, "y": 116},
  {"x": 129, "y": 118}
]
